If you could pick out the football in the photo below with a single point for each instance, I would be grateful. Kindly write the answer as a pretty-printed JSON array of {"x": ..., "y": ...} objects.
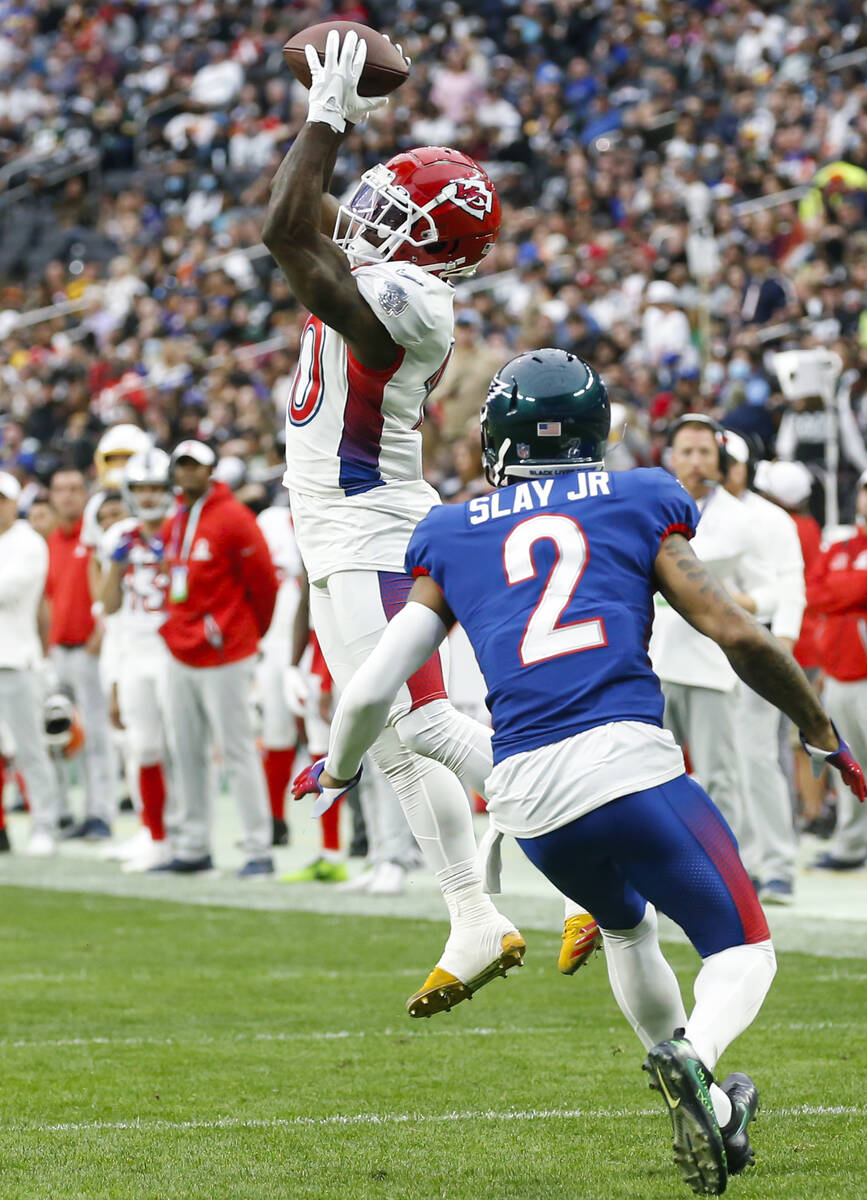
[{"x": 384, "y": 70}]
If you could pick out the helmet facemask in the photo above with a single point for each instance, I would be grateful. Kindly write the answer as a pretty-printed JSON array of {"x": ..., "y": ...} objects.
[
  {"x": 152, "y": 469},
  {"x": 383, "y": 210},
  {"x": 147, "y": 512}
]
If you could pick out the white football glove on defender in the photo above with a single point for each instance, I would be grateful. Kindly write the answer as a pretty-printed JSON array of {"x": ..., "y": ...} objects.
[{"x": 333, "y": 98}]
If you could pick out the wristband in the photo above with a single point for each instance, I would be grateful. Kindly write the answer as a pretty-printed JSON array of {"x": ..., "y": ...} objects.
[{"x": 97, "y": 609}]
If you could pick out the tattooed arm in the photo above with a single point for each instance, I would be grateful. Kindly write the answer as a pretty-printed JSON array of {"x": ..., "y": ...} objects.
[{"x": 755, "y": 654}]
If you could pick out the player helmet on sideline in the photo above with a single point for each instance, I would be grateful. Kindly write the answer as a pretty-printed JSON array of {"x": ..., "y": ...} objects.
[
  {"x": 63, "y": 730},
  {"x": 546, "y": 412},
  {"x": 149, "y": 467},
  {"x": 116, "y": 446},
  {"x": 431, "y": 206}
]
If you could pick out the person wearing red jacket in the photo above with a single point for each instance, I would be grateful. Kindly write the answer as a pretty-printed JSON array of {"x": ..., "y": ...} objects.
[
  {"x": 74, "y": 637},
  {"x": 837, "y": 587},
  {"x": 222, "y": 591}
]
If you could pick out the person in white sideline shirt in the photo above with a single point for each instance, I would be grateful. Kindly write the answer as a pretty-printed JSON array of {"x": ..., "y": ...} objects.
[
  {"x": 23, "y": 568},
  {"x": 698, "y": 683},
  {"x": 134, "y": 588},
  {"x": 768, "y": 839}
]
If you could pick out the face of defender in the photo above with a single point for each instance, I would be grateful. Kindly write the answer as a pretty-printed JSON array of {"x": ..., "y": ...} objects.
[{"x": 695, "y": 459}]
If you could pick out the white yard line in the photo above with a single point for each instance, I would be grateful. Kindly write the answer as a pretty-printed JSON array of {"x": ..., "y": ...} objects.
[
  {"x": 328, "y": 1035},
  {"x": 367, "y": 1118}
]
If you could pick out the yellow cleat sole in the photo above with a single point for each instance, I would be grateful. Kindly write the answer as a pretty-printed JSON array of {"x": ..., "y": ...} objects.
[{"x": 442, "y": 991}]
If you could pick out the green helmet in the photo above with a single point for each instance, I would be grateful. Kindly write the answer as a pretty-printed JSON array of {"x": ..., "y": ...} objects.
[{"x": 546, "y": 412}]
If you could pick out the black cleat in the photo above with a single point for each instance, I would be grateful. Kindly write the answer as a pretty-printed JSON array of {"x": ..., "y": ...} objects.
[
  {"x": 184, "y": 866},
  {"x": 684, "y": 1082},
  {"x": 279, "y": 832},
  {"x": 744, "y": 1096},
  {"x": 4, "y": 841},
  {"x": 91, "y": 829}
]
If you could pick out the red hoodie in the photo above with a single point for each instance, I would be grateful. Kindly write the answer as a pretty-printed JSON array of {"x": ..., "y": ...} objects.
[
  {"x": 837, "y": 588},
  {"x": 810, "y": 536},
  {"x": 229, "y": 578},
  {"x": 68, "y": 589}
]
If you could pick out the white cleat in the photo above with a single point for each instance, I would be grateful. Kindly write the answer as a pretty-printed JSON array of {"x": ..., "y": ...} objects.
[
  {"x": 361, "y": 883},
  {"x": 387, "y": 879},
  {"x": 473, "y": 956},
  {"x": 40, "y": 845},
  {"x": 124, "y": 851},
  {"x": 156, "y": 854}
]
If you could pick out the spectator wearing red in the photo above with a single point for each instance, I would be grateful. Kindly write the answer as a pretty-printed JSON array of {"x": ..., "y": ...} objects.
[
  {"x": 222, "y": 592},
  {"x": 837, "y": 587},
  {"x": 75, "y": 636}
]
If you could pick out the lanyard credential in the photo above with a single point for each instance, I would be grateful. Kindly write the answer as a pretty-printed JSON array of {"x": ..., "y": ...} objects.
[{"x": 179, "y": 588}]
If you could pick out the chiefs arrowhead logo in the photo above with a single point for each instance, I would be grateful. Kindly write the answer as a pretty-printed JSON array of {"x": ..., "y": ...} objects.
[{"x": 474, "y": 196}]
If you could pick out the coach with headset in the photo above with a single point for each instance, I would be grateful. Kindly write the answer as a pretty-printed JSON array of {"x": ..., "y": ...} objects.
[{"x": 698, "y": 683}]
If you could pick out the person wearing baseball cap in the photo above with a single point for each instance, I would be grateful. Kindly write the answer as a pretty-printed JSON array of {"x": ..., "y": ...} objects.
[
  {"x": 222, "y": 588},
  {"x": 768, "y": 839},
  {"x": 790, "y": 485},
  {"x": 837, "y": 587},
  {"x": 23, "y": 569}
]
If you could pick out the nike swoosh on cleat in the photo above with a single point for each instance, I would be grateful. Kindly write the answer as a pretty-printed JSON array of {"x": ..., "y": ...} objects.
[{"x": 668, "y": 1098}]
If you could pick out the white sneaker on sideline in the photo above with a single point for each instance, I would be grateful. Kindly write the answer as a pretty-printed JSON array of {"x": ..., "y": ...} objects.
[
  {"x": 40, "y": 845},
  {"x": 131, "y": 848},
  {"x": 387, "y": 879},
  {"x": 361, "y": 883},
  {"x": 155, "y": 854}
]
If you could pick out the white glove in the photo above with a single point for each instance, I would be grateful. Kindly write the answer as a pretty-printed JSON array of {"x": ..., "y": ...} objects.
[
  {"x": 296, "y": 690},
  {"x": 333, "y": 98}
]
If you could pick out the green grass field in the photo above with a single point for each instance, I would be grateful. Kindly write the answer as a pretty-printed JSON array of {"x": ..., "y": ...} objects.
[{"x": 157, "y": 1051}]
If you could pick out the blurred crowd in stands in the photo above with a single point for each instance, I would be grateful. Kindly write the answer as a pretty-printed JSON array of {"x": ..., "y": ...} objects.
[{"x": 684, "y": 190}]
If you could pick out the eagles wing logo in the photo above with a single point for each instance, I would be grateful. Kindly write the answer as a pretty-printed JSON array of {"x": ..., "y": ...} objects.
[{"x": 474, "y": 196}]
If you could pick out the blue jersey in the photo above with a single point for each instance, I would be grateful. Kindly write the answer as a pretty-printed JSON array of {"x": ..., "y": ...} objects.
[{"x": 552, "y": 579}]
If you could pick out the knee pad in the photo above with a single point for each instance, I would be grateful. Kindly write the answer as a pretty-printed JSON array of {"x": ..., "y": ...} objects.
[
  {"x": 402, "y": 768},
  {"x": 438, "y": 731}
]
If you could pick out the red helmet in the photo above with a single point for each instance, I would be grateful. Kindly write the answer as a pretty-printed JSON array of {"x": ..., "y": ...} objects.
[{"x": 432, "y": 206}]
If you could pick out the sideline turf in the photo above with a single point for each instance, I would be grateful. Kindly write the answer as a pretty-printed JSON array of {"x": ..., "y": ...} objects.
[{"x": 162, "y": 1014}]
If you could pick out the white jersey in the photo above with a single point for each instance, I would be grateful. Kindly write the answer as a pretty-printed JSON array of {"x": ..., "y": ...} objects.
[
  {"x": 143, "y": 590},
  {"x": 353, "y": 440},
  {"x": 276, "y": 525},
  {"x": 728, "y": 544}
]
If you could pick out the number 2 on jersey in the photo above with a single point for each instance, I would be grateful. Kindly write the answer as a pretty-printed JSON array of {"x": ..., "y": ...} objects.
[{"x": 543, "y": 637}]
